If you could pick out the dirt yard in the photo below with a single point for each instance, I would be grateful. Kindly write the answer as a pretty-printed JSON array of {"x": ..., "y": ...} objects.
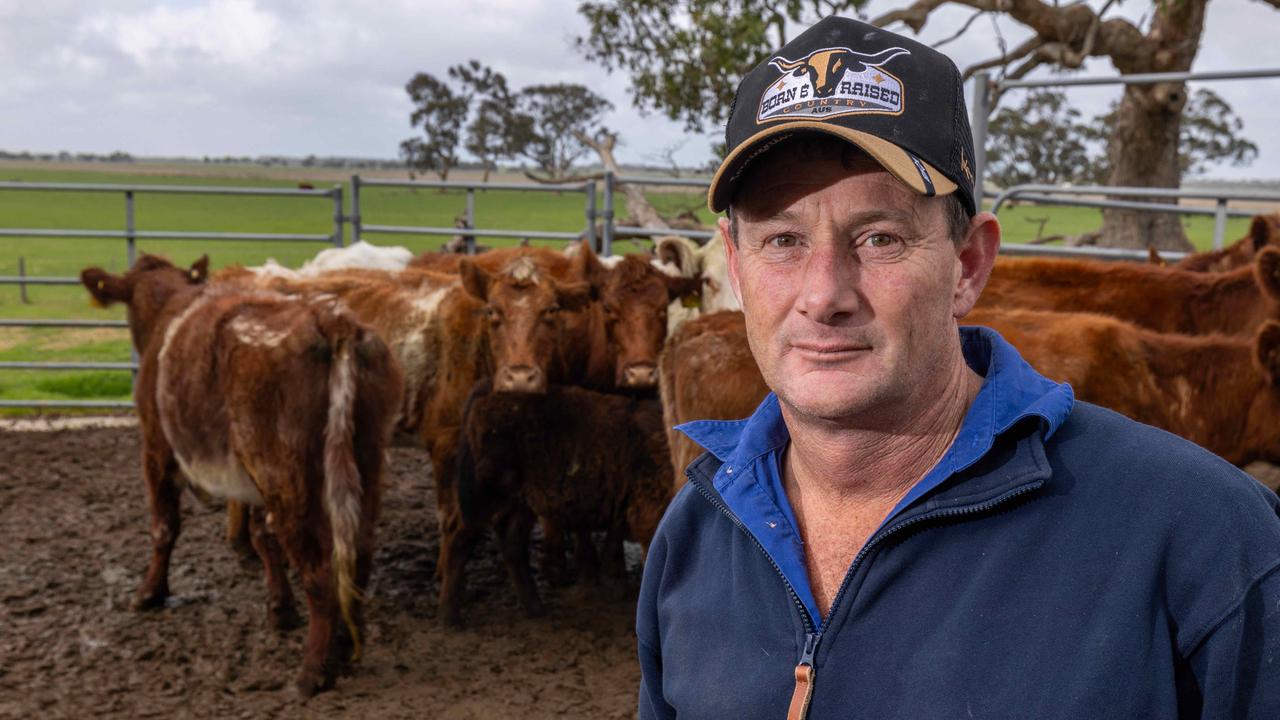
[{"x": 74, "y": 524}]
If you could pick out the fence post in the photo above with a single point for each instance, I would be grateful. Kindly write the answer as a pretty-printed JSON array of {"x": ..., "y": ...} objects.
[
  {"x": 1219, "y": 223},
  {"x": 22, "y": 287},
  {"x": 981, "y": 96},
  {"x": 606, "y": 243},
  {"x": 591, "y": 213},
  {"x": 130, "y": 229},
  {"x": 471, "y": 220},
  {"x": 338, "y": 238},
  {"x": 355, "y": 209}
]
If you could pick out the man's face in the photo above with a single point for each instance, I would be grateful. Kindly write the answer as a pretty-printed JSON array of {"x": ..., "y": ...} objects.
[{"x": 850, "y": 285}]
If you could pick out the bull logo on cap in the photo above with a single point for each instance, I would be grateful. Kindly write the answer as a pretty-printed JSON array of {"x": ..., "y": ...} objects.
[
  {"x": 832, "y": 82},
  {"x": 824, "y": 67}
]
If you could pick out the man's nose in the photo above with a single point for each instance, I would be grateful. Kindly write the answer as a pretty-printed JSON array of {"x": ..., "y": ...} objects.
[{"x": 829, "y": 293}]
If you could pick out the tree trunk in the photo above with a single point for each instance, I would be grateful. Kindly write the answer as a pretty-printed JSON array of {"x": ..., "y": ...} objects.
[
  {"x": 1144, "y": 143},
  {"x": 1144, "y": 153},
  {"x": 637, "y": 204}
]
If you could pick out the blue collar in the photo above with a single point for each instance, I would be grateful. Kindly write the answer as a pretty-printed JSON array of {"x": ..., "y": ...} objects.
[{"x": 750, "y": 450}]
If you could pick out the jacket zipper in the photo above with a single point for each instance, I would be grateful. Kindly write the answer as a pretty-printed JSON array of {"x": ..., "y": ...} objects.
[{"x": 805, "y": 672}]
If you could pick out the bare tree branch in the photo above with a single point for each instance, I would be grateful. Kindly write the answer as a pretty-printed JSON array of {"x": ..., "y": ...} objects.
[
  {"x": 916, "y": 15},
  {"x": 1020, "y": 52},
  {"x": 965, "y": 28}
]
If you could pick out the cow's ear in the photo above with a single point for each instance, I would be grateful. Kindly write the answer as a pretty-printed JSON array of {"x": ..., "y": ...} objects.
[
  {"x": 574, "y": 296},
  {"x": 1266, "y": 268},
  {"x": 1267, "y": 350},
  {"x": 105, "y": 288},
  {"x": 670, "y": 250},
  {"x": 688, "y": 289},
  {"x": 1153, "y": 257},
  {"x": 199, "y": 271},
  {"x": 587, "y": 266},
  {"x": 1260, "y": 231},
  {"x": 474, "y": 279}
]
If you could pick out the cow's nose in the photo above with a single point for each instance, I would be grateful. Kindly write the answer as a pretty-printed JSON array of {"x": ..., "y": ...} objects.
[
  {"x": 521, "y": 379},
  {"x": 640, "y": 375}
]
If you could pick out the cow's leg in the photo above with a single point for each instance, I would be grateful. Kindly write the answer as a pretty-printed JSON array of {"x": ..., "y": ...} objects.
[
  {"x": 585, "y": 554},
  {"x": 281, "y": 612},
  {"x": 239, "y": 535},
  {"x": 554, "y": 568},
  {"x": 160, "y": 469},
  {"x": 457, "y": 540},
  {"x": 513, "y": 536},
  {"x": 322, "y": 603},
  {"x": 614, "y": 565}
]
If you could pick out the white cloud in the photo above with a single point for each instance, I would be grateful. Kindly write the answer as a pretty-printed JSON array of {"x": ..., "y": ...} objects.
[{"x": 233, "y": 32}]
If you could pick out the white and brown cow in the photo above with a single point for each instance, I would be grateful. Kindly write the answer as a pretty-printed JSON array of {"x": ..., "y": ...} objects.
[{"x": 282, "y": 403}]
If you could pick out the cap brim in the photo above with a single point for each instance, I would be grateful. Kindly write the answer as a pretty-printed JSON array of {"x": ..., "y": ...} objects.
[{"x": 893, "y": 158}]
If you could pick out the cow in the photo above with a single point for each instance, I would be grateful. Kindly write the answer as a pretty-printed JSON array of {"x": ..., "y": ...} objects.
[
  {"x": 1163, "y": 299},
  {"x": 359, "y": 254},
  {"x": 1264, "y": 230},
  {"x": 1219, "y": 391},
  {"x": 282, "y": 403},
  {"x": 708, "y": 262},
  {"x": 587, "y": 460},
  {"x": 707, "y": 373},
  {"x": 825, "y": 68},
  {"x": 634, "y": 297}
]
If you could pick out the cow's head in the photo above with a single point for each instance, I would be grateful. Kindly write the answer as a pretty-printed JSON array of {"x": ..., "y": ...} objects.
[
  {"x": 146, "y": 288},
  {"x": 523, "y": 307},
  {"x": 634, "y": 296},
  {"x": 826, "y": 67}
]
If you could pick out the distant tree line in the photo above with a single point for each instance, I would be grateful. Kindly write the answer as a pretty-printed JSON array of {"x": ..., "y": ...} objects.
[
  {"x": 64, "y": 156},
  {"x": 475, "y": 111}
]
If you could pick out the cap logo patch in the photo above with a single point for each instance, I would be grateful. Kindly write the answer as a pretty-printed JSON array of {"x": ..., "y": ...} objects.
[{"x": 832, "y": 82}]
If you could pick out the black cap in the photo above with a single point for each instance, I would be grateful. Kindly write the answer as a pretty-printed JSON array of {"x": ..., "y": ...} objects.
[{"x": 898, "y": 100}]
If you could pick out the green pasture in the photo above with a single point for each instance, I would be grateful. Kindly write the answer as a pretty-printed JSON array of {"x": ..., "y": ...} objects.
[{"x": 382, "y": 206}]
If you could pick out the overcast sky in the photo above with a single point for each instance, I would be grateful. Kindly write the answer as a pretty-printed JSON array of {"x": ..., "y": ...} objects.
[{"x": 297, "y": 77}]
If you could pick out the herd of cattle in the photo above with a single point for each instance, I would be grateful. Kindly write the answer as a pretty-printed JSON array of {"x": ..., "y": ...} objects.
[{"x": 545, "y": 385}]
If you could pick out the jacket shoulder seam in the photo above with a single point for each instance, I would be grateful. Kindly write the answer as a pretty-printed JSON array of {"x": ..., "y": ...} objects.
[{"x": 1211, "y": 626}]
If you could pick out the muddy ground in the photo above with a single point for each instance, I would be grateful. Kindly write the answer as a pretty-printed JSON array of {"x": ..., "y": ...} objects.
[{"x": 73, "y": 522}]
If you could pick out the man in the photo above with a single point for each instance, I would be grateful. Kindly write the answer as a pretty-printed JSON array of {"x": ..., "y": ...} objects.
[{"x": 915, "y": 524}]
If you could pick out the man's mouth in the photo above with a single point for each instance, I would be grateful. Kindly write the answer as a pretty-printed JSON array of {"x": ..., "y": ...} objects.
[{"x": 828, "y": 351}]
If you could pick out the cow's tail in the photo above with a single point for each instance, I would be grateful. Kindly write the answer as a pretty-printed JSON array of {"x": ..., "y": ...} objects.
[{"x": 342, "y": 486}]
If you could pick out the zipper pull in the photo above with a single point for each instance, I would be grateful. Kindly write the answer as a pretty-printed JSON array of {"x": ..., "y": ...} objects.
[{"x": 805, "y": 674}]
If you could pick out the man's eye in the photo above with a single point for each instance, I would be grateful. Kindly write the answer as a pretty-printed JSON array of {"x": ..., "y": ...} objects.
[
  {"x": 783, "y": 241},
  {"x": 880, "y": 240}
]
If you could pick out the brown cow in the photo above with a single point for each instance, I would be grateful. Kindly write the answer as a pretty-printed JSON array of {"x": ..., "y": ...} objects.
[
  {"x": 587, "y": 460},
  {"x": 1218, "y": 391},
  {"x": 1264, "y": 231},
  {"x": 279, "y": 402},
  {"x": 1163, "y": 299}
]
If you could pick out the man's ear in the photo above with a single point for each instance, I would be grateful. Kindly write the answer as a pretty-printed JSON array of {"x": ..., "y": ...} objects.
[
  {"x": 977, "y": 255},
  {"x": 474, "y": 279},
  {"x": 105, "y": 288},
  {"x": 731, "y": 258},
  {"x": 199, "y": 271}
]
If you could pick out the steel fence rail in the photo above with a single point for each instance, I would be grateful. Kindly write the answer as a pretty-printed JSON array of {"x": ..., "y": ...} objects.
[
  {"x": 169, "y": 189},
  {"x": 38, "y": 323},
  {"x": 160, "y": 235},
  {"x": 13, "y": 365},
  {"x": 481, "y": 232},
  {"x": 1083, "y": 253},
  {"x": 81, "y": 404},
  {"x": 37, "y": 280},
  {"x": 1123, "y": 204},
  {"x": 654, "y": 232}
]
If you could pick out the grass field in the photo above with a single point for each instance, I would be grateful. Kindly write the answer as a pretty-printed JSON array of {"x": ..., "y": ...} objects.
[{"x": 382, "y": 206}]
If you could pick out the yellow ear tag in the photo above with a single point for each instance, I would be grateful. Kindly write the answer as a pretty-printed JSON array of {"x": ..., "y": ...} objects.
[
  {"x": 195, "y": 274},
  {"x": 102, "y": 285},
  {"x": 691, "y": 301}
]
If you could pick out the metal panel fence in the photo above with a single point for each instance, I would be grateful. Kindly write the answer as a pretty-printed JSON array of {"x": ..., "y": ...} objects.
[{"x": 131, "y": 234}]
